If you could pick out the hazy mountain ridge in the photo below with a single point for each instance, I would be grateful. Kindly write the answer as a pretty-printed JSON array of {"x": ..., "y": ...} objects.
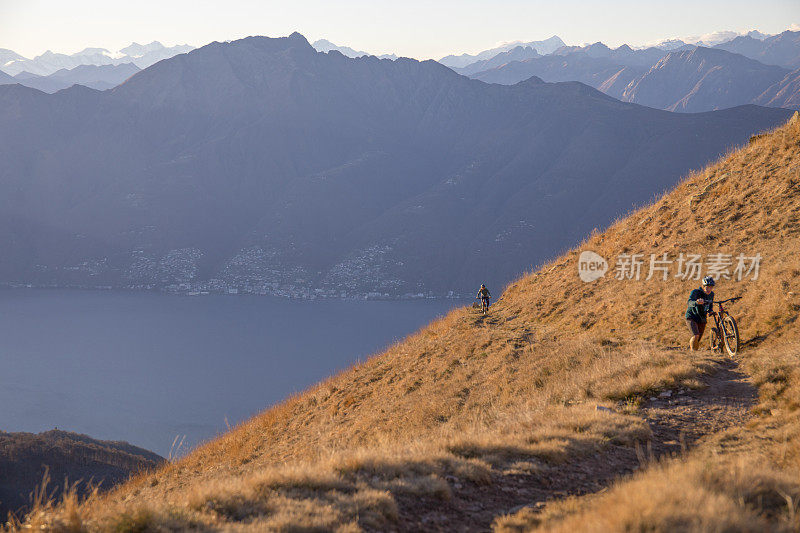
[
  {"x": 323, "y": 45},
  {"x": 688, "y": 79},
  {"x": 702, "y": 79},
  {"x": 782, "y": 49},
  {"x": 100, "y": 77},
  {"x": 624, "y": 54},
  {"x": 520, "y": 53},
  {"x": 264, "y": 166},
  {"x": 50, "y": 62},
  {"x": 544, "y": 47},
  {"x": 599, "y": 72},
  {"x": 708, "y": 40}
]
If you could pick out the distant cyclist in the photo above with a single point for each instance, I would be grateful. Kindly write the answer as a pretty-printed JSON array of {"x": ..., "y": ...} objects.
[
  {"x": 700, "y": 301},
  {"x": 484, "y": 295}
]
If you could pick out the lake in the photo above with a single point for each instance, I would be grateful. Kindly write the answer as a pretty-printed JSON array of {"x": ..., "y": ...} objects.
[{"x": 144, "y": 367}]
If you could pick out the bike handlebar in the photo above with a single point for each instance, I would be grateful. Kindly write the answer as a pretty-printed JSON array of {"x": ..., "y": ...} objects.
[{"x": 728, "y": 300}]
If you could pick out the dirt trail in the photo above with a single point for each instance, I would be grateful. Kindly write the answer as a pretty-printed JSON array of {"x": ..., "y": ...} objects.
[{"x": 678, "y": 419}]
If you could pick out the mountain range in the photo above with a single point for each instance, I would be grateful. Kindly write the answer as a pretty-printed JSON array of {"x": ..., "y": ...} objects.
[
  {"x": 262, "y": 165},
  {"x": 99, "y": 77},
  {"x": 749, "y": 40},
  {"x": 50, "y": 62},
  {"x": 703, "y": 79},
  {"x": 707, "y": 40},
  {"x": 687, "y": 79},
  {"x": 544, "y": 47},
  {"x": 781, "y": 49},
  {"x": 323, "y": 45}
]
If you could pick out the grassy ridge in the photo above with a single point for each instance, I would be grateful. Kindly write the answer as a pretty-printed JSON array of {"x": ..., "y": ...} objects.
[{"x": 470, "y": 398}]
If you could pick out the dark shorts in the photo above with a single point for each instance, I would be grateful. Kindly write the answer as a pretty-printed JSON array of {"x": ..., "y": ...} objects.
[
  {"x": 697, "y": 328},
  {"x": 485, "y": 299}
]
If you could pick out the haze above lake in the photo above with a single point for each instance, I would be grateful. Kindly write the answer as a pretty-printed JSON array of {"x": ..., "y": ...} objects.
[{"x": 145, "y": 367}]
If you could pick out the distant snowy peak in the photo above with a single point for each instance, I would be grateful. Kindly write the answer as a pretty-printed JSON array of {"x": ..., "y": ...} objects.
[
  {"x": 708, "y": 40},
  {"x": 139, "y": 50},
  {"x": 50, "y": 62},
  {"x": 755, "y": 34},
  {"x": 324, "y": 45},
  {"x": 7, "y": 56},
  {"x": 547, "y": 46}
]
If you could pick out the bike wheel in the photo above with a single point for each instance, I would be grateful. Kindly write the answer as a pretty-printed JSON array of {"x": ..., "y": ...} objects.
[
  {"x": 730, "y": 335},
  {"x": 716, "y": 340}
]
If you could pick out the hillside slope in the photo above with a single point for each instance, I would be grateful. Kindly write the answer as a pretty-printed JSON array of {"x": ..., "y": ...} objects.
[{"x": 547, "y": 394}]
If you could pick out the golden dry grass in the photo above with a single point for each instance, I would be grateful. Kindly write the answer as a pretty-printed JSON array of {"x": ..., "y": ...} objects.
[{"x": 468, "y": 396}]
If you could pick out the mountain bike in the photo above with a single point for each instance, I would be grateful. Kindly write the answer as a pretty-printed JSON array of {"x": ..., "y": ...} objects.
[
  {"x": 725, "y": 331},
  {"x": 484, "y": 304}
]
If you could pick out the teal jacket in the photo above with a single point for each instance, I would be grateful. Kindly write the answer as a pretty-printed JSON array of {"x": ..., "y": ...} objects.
[{"x": 698, "y": 312}]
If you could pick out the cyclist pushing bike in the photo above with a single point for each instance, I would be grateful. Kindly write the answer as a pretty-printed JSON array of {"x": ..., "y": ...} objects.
[
  {"x": 484, "y": 296},
  {"x": 699, "y": 307}
]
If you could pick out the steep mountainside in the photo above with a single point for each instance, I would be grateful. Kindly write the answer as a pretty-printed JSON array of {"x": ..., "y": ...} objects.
[
  {"x": 563, "y": 387},
  {"x": 265, "y": 166},
  {"x": 26, "y": 458},
  {"x": 785, "y": 93},
  {"x": 702, "y": 79}
]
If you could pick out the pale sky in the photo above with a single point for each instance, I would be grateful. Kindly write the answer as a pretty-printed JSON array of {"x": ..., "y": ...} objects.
[{"x": 420, "y": 29}]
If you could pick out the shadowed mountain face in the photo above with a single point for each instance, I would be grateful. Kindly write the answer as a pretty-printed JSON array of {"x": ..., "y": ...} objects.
[
  {"x": 265, "y": 166},
  {"x": 26, "y": 457},
  {"x": 702, "y": 79}
]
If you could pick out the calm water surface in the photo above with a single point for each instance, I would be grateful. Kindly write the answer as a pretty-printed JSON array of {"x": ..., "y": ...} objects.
[{"x": 145, "y": 367}]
